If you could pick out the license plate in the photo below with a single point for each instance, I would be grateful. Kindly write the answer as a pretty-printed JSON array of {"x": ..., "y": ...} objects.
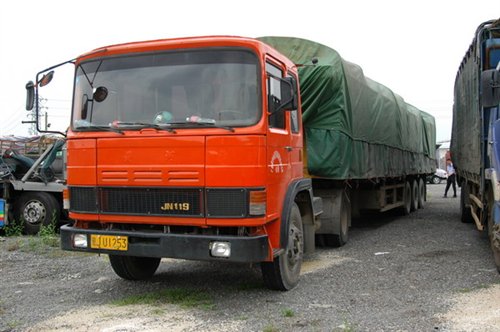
[{"x": 109, "y": 242}]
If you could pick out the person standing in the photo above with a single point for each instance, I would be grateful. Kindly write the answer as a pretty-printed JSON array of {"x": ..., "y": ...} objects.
[{"x": 451, "y": 179}]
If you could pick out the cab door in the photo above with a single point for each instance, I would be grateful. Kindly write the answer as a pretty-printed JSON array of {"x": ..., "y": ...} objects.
[{"x": 279, "y": 149}]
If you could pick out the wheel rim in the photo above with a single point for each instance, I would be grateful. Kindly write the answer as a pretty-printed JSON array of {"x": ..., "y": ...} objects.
[
  {"x": 436, "y": 180},
  {"x": 294, "y": 250},
  {"x": 34, "y": 212}
]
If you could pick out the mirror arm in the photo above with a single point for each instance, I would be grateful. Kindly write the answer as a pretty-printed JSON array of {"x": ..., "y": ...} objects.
[{"x": 37, "y": 113}]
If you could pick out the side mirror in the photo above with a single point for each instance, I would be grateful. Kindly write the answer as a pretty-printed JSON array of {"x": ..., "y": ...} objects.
[
  {"x": 289, "y": 93},
  {"x": 46, "y": 78},
  {"x": 490, "y": 88},
  {"x": 283, "y": 94},
  {"x": 30, "y": 95}
]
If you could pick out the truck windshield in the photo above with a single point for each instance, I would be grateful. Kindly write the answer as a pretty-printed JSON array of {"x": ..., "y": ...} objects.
[{"x": 217, "y": 87}]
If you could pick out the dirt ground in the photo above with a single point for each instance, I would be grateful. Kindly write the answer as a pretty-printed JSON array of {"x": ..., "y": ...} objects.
[
  {"x": 422, "y": 272},
  {"x": 475, "y": 311}
]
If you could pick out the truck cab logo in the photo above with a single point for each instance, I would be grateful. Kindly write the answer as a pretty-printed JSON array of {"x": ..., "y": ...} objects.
[
  {"x": 276, "y": 163},
  {"x": 170, "y": 206}
]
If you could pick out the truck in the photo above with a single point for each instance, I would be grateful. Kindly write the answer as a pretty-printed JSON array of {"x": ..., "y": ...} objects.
[
  {"x": 236, "y": 149},
  {"x": 475, "y": 140},
  {"x": 32, "y": 183}
]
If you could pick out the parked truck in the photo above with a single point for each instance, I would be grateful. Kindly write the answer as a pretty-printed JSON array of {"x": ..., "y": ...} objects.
[
  {"x": 32, "y": 183},
  {"x": 475, "y": 138},
  {"x": 232, "y": 149}
]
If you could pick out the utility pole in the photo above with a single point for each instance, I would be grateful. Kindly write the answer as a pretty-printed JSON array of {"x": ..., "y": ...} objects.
[{"x": 32, "y": 117}]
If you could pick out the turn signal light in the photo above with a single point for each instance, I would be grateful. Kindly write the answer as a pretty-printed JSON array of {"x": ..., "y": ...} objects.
[{"x": 257, "y": 205}]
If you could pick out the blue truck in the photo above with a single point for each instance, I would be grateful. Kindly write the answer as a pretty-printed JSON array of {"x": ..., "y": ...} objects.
[{"x": 475, "y": 139}]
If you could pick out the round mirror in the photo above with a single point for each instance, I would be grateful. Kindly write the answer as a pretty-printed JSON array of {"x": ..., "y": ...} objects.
[{"x": 100, "y": 94}]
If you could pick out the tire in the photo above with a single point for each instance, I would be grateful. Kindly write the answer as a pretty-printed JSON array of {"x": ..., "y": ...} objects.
[
  {"x": 414, "y": 196},
  {"x": 338, "y": 240},
  {"x": 284, "y": 271},
  {"x": 493, "y": 231},
  {"x": 134, "y": 268},
  {"x": 465, "y": 213},
  {"x": 436, "y": 179},
  {"x": 406, "y": 208},
  {"x": 35, "y": 209},
  {"x": 421, "y": 193}
]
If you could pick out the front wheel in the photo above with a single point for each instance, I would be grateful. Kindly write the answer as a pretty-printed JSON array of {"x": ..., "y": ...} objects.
[
  {"x": 35, "y": 209},
  {"x": 134, "y": 268},
  {"x": 284, "y": 271}
]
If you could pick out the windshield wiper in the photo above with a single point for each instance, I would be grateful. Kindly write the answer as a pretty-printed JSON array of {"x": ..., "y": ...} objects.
[
  {"x": 209, "y": 124},
  {"x": 143, "y": 125},
  {"x": 100, "y": 128}
]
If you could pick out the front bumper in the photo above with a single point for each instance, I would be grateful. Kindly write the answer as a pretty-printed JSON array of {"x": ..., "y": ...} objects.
[{"x": 195, "y": 247}]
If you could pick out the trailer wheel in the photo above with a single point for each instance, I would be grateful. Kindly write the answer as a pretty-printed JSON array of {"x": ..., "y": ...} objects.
[
  {"x": 465, "y": 213},
  {"x": 284, "y": 271},
  {"x": 414, "y": 195},
  {"x": 36, "y": 209},
  {"x": 134, "y": 268},
  {"x": 421, "y": 193},
  {"x": 493, "y": 231},
  {"x": 406, "y": 208}
]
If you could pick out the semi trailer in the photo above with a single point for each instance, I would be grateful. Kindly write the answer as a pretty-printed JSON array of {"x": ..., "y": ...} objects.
[
  {"x": 475, "y": 137},
  {"x": 234, "y": 149}
]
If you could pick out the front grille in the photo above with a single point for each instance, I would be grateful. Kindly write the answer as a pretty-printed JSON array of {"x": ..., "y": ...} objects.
[
  {"x": 83, "y": 199},
  {"x": 152, "y": 201},
  {"x": 189, "y": 202},
  {"x": 227, "y": 203}
]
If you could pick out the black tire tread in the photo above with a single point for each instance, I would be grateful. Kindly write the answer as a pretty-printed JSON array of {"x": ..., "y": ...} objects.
[{"x": 134, "y": 268}]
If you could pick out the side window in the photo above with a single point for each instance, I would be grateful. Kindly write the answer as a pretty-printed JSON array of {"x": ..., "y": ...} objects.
[
  {"x": 294, "y": 115},
  {"x": 277, "y": 119}
]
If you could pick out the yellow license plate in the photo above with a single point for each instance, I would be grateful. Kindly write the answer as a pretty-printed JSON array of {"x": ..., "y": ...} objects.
[{"x": 109, "y": 242}]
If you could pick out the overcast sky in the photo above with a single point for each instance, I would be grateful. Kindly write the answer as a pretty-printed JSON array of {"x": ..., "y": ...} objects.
[{"x": 412, "y": 47}]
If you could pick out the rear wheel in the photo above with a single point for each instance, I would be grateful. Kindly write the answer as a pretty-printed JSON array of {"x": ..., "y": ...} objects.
[
  {"x": 465, "y": 213},
  {"x": 421, "y": 193},
  {"x": 342, "y": 236},
  {"x": 134, "y": 268},
  {"x": 414, "y": 195},
  {"x": 406, "y": 208},
  {"x": 284, "y": 271}
]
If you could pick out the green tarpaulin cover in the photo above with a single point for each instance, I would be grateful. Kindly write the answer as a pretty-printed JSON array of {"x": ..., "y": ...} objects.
[{"x": 355, "y": 128}]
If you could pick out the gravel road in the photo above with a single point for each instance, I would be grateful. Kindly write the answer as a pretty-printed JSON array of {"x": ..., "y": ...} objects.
[{"x": 422, "y": 272}]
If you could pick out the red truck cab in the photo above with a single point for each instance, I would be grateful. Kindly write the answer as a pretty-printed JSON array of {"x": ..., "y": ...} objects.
[{"x": 189, "y": 148}]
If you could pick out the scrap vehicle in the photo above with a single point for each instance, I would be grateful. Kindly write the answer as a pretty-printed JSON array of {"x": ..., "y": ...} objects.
[
  {"x": 31, "y": 183},
  {"x": 233, "y": 149},
  {"x": 475, "y": 137}
]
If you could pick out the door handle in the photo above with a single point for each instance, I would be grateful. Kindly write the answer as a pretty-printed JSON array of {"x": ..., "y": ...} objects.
[{"x": 288, "y": 148}]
